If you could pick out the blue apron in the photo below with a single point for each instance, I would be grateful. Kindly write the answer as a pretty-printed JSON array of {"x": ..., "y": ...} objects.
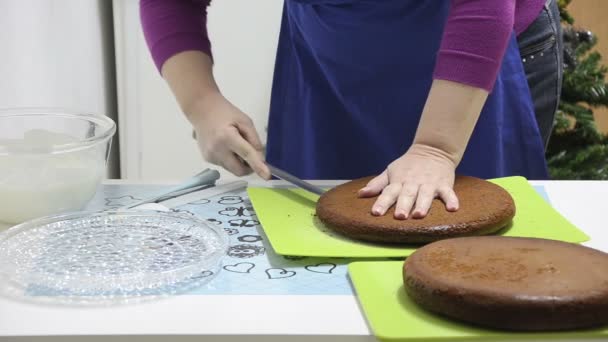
[{"x": 351, "y": 79}]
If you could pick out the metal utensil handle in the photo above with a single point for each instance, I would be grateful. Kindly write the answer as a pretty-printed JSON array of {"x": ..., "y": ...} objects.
[{"x": 205, "y": 177}]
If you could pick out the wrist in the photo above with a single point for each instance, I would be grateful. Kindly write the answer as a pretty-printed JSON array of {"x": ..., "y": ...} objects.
[
  {"x": 436, "y": 152},
  {"x": 201, "y": 107},
  {"x": 449, "y": 149},
  {"x": 449, "y": 117}
]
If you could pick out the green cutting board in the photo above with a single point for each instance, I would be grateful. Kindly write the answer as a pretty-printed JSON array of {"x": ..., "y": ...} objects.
[
  {"x": 288, "y": 219},
  {"x": 394, "y": 317}
]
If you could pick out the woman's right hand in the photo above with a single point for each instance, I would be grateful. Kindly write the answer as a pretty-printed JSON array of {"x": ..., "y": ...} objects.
[{"x": 227, "y": 137}]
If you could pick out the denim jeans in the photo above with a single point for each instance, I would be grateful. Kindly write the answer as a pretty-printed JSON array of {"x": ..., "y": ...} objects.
[{"x": 541, "y": 50}]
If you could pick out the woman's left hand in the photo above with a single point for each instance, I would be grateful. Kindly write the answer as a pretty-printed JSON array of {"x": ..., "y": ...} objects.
[{"x": 412, "y": 182}]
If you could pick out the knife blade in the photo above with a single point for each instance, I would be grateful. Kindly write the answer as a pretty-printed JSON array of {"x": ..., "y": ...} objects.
[{"x": 284, "y": 175}]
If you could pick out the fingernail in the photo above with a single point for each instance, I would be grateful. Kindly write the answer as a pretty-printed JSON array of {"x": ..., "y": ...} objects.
[
  {"x": 400, "y": 215},
  {"x": 377, "y": 211}
]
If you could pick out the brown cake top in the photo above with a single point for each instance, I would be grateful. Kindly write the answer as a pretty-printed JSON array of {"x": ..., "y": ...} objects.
[
  {"x": 523, "y": 268},
  {"x": 481, "y": 202}
]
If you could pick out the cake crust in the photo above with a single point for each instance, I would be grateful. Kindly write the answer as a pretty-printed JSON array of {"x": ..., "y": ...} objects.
[
  {"x": 520, "y": 284},
  {"x": 484, "y": 209}
]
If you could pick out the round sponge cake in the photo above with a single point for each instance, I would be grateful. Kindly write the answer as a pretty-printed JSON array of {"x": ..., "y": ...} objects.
[
  {"x": 484, "y": 209},
  {"x": 511, "y": 283}
]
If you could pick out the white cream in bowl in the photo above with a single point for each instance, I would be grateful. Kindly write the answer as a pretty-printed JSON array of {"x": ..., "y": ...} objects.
[{"x": 36, "y": 181}]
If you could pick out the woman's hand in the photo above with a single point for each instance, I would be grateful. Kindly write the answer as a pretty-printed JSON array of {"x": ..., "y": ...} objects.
[
  {"x": 226, "y": 136},
  {"x": 412, "y": 182},
  {"x": 426, "y": 170}
]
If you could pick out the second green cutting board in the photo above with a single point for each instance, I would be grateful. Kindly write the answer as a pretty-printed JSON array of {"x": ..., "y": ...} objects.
[{"x": 394, "y": 317}]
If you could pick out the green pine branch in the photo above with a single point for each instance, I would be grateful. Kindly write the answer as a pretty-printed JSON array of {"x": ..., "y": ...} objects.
[
  {"x": 583, "y": 162},
  {"x": 577, "y": 150},
  {"x": 585, "y": 82},
  {"x": 563, "y": 13}
]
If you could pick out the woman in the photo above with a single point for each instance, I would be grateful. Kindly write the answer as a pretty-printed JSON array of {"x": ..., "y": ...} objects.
[{"x": 414, "y": 91}]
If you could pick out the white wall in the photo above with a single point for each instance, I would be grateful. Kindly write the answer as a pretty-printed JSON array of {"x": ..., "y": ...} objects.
[
  {"x": 57, "y": 53},
  {"x": 156, "y": 141}
]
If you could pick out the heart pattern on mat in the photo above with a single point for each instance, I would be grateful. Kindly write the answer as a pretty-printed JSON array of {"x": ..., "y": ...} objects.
[
  {"x": 279, "y": 273},
  {"x": 203, "y": 274},
  {"x": 325, "y": 267},
  {"x": 241, "y": 267}
]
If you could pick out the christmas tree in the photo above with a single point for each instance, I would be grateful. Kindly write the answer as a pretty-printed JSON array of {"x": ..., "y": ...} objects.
[{"x": 577, "y": 149}]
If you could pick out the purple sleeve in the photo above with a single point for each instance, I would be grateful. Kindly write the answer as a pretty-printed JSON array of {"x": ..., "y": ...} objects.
[
  {"x": 474, "y": 41},
  {"x": 174, "y": 26}
]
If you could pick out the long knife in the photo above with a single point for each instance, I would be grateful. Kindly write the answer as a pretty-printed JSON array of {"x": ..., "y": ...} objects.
[{"x": 295, "y": 180}]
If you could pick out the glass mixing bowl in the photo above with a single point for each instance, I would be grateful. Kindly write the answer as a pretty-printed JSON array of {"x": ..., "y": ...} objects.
[{"x": 51, "y": 161}]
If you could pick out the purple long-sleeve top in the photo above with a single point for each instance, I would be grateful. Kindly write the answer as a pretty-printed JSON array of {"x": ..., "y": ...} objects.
[{"x": 473, "y": 43}]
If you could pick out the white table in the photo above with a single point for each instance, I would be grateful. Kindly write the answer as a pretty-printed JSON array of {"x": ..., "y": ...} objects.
[{"x": 273, "y": 318}]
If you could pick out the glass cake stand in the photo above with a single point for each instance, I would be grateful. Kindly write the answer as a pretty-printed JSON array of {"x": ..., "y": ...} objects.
[{"x": 109, "y": 257}]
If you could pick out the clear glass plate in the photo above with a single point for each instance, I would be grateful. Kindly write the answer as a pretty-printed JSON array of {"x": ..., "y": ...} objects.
[{"x": 108, "y": 257}]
